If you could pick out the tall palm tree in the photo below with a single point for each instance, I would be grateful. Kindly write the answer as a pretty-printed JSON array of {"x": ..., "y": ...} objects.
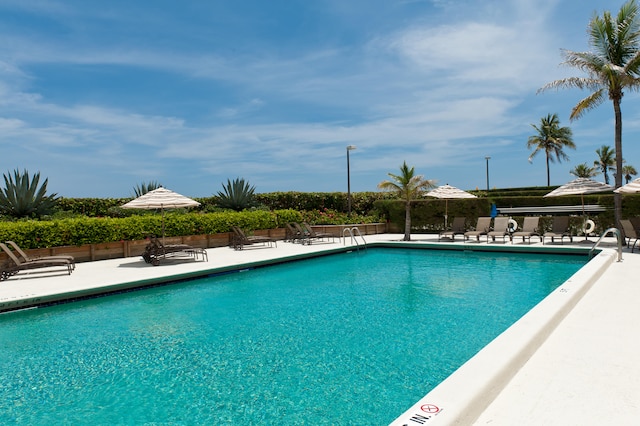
[
  {"x": 612, "y": 66},
  {"x": 552, "y": 140},
  {"x": 584, "y": 171},
  {"x": 606, "y": 161},
  {"x": 628, "y": 171},
  {"x": 407, "y": 186}
]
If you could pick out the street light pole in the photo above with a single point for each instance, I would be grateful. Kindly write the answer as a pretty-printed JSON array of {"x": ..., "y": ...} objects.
[
  {"x": 349, "y": 148},
  {"x": 487, "y": 158}
]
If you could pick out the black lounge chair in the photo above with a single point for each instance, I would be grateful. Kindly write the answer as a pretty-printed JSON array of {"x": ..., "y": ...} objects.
[
  {"x": 457, "y": 228},
  {"x": 529, "y": 229},
  {"x": 293, "y": 235},
  {"x": 15, "y": 265},
  {"x": 305, "y": 238},
  {"x": 311, "y": 234},
  {"x": 500, "y": 229},
  {"x": 27, "y": 258},
  {"x": 156, "y": 251},
  {"x": 240, "y": 239},
  {"x": 630, "y": 233},
  {"x": 482, "y": 227},
  {"x": 559, "y": 229}
]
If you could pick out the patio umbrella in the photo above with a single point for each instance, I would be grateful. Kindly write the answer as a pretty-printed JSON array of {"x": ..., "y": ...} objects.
[
  {"x": 161, "y": 198},
  {"x": 448, "y": 192},
  {"x": 630, "y": 188},
  {"x": 580, "y": 187}
]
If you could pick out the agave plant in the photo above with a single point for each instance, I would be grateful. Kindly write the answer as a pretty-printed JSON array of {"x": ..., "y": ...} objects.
[
  {"x": 238, "y": 195},
  {"x": 21, "y": 196},
  {"x": 143, "y": 188}
]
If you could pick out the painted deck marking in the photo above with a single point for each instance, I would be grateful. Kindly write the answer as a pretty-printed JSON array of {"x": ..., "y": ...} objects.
[{"x": 430, "y": 408}]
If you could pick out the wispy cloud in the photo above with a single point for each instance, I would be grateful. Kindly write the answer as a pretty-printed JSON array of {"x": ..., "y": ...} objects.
[{"x": 441, "y": 88}]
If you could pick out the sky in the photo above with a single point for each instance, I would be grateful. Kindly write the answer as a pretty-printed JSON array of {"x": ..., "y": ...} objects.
[{"x": 100, "y": 97}]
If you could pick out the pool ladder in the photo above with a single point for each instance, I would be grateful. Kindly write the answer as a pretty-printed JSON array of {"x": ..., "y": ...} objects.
[
  {"x": 616, "y": 232},
  {"x": 353, "y": 233}
]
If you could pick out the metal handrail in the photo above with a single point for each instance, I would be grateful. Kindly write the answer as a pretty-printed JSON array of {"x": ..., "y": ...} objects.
[
  {"x": 618, "y": 235},
  {"x": 350, "y": 231},
  {"x": 355, "y": 228}
]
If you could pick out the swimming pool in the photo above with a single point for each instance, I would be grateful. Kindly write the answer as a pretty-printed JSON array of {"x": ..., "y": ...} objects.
[{"x": 330, "y": 340}]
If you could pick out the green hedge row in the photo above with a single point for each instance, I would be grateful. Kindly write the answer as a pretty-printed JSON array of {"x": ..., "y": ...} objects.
[
  {"x": 428, "y": 215},
  {"x": 361, "y": 203},
  {"x": 87, "y": 230}
]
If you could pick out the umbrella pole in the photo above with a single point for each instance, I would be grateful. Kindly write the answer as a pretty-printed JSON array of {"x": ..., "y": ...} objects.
[
  {"x": 584, "y": 222},
  {"x": 162, "y": 210},
  {"x": 446, "y": 213}
]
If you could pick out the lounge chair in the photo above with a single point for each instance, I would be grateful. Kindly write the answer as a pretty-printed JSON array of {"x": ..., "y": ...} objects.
[
  {"x": 559, "y": 229},
  {"x": 457, "y": 228},
  {"x": 26, "y": 257},
  {"x": 240, "y": 239},
  {"x": 305, "y": 235},
  {"x": 500, "y": 229},
  {"x": 311, "y": 234},
  {"x": 15, "y": 265},
  {"x": 156, "y": 251},
  {"x": 529, "y": 229},
  {"x": 482, "y": 227},
  {"x": 630, "y": 233},
  {"x": 292, "y": 234}
]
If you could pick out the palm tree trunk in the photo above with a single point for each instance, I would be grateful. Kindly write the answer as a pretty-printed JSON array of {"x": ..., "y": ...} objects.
[
  {"x": 548, "y": 174},
  {"x": 407, "y": 221},
  {"x": 617, "y": 198}
]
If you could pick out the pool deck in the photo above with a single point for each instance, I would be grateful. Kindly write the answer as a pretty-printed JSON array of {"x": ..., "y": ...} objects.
[{"x": 585, "y": 372}]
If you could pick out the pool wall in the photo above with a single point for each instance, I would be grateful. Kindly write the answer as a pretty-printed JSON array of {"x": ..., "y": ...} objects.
[
  {"x": 109, "y": 277},
  {"x": 463, "y": 396}
]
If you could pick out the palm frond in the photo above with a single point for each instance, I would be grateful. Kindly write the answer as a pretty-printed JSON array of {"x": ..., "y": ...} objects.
[{"x": 587, "y": 104}]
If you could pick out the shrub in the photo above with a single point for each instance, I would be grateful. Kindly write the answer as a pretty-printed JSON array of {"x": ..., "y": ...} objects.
[
  {"x": 78, "y": 231},
  {"x": 237, "y": 195},
  {"x": 21, "y": 196}
]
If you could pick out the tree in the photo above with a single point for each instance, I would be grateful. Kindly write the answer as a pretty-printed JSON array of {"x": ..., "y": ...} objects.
[
  {"x": 584, "y": 171},
  {"x": 21, "y": 196},
  {"x": 552, "y": 140},
  {"x": 238, "y": 195},
  {"x": 628, "y": 171},
  {"x": 612, "y": 66},
  {"x": 144, "y": 187},
  {"x": 606, "y": 161},
  {"x": 408, "y": 186}
]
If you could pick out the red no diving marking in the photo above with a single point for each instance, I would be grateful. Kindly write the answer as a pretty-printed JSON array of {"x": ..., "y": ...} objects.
[{"x": 430, "y": 408}]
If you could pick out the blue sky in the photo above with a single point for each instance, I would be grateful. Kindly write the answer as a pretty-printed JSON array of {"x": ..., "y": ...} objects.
[{"x": 101, "y": 96}]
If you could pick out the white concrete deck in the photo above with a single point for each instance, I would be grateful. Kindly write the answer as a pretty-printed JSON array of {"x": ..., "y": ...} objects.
[{"x": 585, "y": 372}]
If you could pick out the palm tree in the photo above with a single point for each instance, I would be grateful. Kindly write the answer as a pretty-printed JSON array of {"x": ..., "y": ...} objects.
[
  {"x": 628, "y": 171},
  {"x": 612, "y": 66},
  {"x": 606, "y": 161},
  {"x": 552, "y": 139},
  {"x": 584, "y": 171},
  {"x": 407, "y": 186}
]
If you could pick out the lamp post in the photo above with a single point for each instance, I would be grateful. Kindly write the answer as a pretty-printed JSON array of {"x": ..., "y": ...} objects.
[
  {"x": 487, "y": 158},
  {"x": 349, "y": 148}
]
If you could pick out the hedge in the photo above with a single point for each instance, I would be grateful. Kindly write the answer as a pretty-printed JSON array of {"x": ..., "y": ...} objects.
[
  {"x": 361, "y": 203},
  {"x": 88, "y": 230},
  {"x": 427, "y": 215}
]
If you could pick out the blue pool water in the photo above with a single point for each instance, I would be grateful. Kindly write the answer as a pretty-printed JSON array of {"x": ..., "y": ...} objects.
[{"x": 354, "y": 338}]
